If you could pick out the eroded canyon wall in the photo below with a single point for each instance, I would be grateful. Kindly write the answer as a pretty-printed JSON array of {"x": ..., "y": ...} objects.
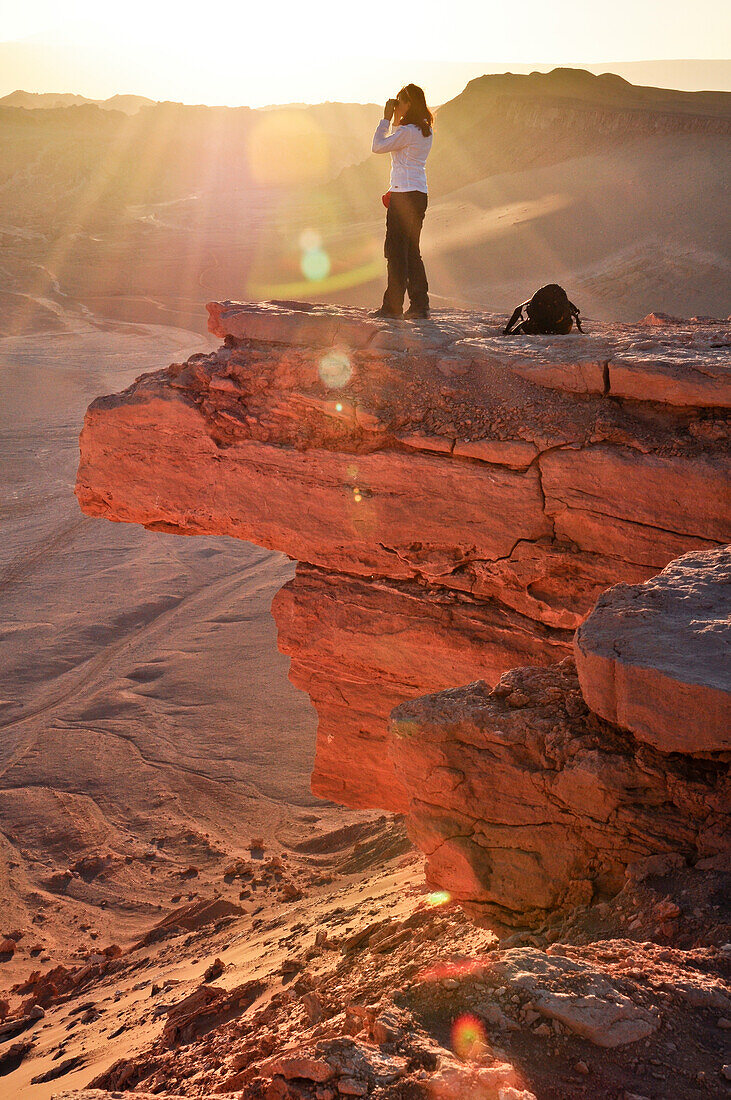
[
  {"x": 457, "y": 501},
  {"x": 537, "y": 794}
]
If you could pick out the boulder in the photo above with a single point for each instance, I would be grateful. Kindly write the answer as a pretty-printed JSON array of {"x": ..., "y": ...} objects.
[
  {"x": 655, "y": 658},
  {"x": 577, "y": 995}
]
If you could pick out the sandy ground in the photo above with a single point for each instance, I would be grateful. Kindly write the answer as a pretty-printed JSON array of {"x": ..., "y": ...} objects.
[
  {"x": 121, "y": 1014},
  {"x": 146, "y": 719}
]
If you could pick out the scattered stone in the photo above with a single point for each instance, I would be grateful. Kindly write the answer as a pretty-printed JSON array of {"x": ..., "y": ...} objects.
[
  {"x": 603, "y": 1015},
  {"x": 64, "y": 1067},
  {"x": 214, "y": 970},
  {"x": 292, "y": 1066},
  {"x": 12, "y": 1056},
  {"x": 313, "y": 1007},
  {"x": 349, "y": 1086}
]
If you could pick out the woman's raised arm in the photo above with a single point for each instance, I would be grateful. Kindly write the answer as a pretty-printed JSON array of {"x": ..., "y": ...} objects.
[{"x": 383, "y": 142}]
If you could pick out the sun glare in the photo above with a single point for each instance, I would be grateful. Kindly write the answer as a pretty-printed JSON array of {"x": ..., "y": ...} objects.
[
  {"x": 327, "y": 50},
  {"x": 469, "y": 1041},
  {"x": 287, "y": 148}
]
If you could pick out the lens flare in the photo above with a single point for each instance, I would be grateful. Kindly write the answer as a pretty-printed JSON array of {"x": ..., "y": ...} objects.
[
  {"x": 288, "y": 148},
  {"x": 439, "y": 897},
  {"x": 460, "y": 969},
  {"x": 469, "y": 1041},
  {"x": 335, "y": 369},
  {"x": 356, "y": 496},
  {"x": 315, "y": 264},
  {"x": 310, "y": 239},
  {"x": 340, "y": 280}
]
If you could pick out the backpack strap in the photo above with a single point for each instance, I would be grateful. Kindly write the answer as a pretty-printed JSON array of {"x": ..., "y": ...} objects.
[
  {"x": 512, "y": 327},
  {"x": 575, "y": 311}
]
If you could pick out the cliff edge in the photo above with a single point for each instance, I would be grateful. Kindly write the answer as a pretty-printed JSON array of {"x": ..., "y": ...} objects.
[{"x": 457, "y": 501}]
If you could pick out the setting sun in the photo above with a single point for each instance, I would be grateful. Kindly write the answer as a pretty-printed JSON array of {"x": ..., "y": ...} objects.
[{"x": 257, "y": 54}]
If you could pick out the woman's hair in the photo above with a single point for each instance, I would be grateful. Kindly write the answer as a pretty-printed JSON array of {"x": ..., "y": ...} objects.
[{"x": 418, "y": 113}]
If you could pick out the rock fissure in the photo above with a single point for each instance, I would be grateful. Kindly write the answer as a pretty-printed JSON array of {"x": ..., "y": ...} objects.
[
  {"x": 457, "y": 503},
  {"x": 606, "y": 379},
  {"x": 707, "y": 542}
]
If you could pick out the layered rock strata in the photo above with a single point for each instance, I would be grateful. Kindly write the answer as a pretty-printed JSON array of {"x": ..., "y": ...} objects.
[
  {"x": 525, "y": 802},
  {"x": 457, "y": 500},
  {"x": 526, "y": 799}
]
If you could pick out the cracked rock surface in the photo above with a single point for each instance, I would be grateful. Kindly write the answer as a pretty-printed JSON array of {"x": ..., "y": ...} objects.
[
  {"x": 458, "y": 501},
  {"x": 526, "y": 803}
]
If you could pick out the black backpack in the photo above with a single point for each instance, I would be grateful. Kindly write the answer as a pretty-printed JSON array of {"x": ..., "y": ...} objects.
[{"x": 548, "y": 312}]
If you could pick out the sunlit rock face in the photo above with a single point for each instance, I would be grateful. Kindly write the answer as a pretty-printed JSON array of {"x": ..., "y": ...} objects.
[
  {"x": 525, "y": 802},
  {"x": 655, "y": 657},
  {"x": 537, "y": 794},
  {"x": 457, "y": 500}
]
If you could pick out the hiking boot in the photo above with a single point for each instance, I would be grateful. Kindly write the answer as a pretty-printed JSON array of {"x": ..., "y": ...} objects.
[
  {"x": 385, "y": 313},
  {"x": 416, "y": 314}
]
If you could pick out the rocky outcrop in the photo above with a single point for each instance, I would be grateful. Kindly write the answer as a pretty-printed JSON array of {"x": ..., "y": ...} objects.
[
  {"x": 457, "y": 501},
  {"x": 359, "y": 647},
  {"x": 527, "y": 800},
  {"x": 655, "y": 658}
]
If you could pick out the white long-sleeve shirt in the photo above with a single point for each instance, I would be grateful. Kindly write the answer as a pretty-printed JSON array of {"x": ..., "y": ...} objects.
[{"x": 409, "y": 149}]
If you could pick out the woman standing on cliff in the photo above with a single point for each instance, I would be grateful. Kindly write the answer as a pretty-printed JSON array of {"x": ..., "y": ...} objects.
[{"x": 408, "y": 143}]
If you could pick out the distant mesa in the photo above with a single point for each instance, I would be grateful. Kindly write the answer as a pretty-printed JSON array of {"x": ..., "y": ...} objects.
[{"x": 33, "y": 101}]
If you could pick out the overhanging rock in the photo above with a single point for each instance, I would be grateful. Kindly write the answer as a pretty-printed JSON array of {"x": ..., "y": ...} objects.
[{"x": 458, "y": 501}]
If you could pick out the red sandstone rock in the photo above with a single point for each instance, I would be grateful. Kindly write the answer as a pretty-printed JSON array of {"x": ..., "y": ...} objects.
[
  {"x": 525, "y": 802},
  {"x": 194, "y": 915},
  {"x": 461, "y": 500},
  {"x": 346, "y": 634},
  {"x": 388, "y": 512},
  {"x": 654, "y": 657},
  {"x": 687, "y": 367},
  {"x": 456, "y": 1080},
  {"x": 204, "y": 1007},
  {"x": 293, "y": 1065},
  {"x": 639, "y": 508}
]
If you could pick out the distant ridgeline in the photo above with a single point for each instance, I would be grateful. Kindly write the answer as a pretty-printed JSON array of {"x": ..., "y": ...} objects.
[{"x": 143, "y": 216}]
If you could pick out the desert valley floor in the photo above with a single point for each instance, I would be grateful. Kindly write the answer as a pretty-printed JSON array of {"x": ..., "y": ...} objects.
[
  {"x": 182, "y": 917},
  {"x": 146, "y": 717}
]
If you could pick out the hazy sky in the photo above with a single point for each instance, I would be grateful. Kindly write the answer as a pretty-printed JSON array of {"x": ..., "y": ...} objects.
[{"x": 242, "y": 52}]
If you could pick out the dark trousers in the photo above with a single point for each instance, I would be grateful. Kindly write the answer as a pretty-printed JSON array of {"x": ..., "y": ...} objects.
[{"x": 404, "y": 219}]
